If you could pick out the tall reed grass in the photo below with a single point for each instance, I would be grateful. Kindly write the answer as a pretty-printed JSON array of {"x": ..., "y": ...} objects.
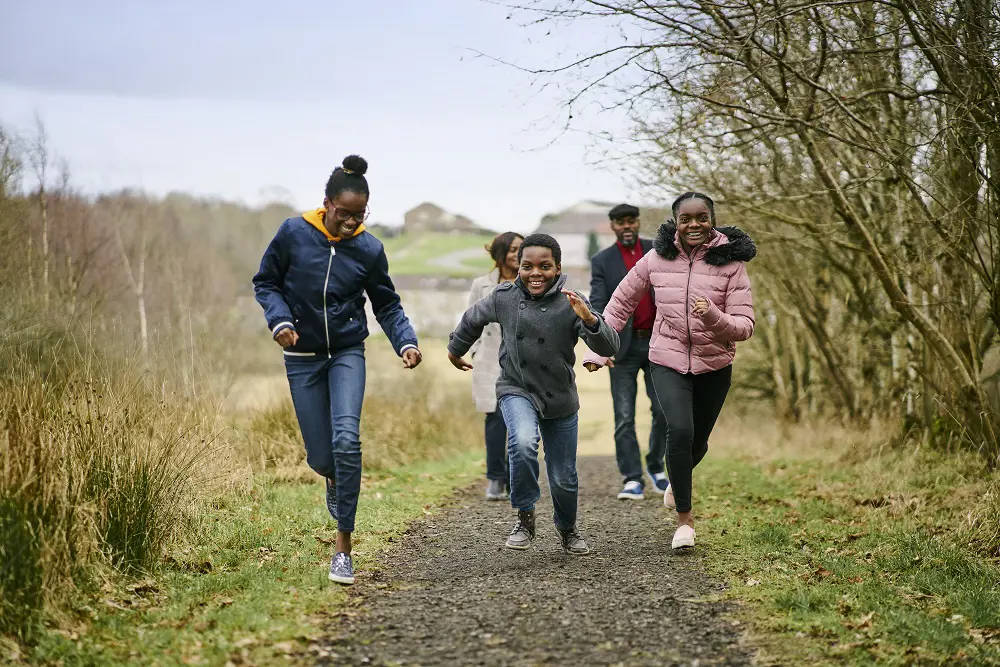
[{"x": 95, "y": 470}]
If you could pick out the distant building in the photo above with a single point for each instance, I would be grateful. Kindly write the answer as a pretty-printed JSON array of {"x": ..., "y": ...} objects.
[
  {"x": 574, "y": 226},
  {"x": 428, "y": 217}
]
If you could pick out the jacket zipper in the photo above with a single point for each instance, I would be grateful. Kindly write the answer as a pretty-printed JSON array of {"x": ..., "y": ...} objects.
[
  {"x": 326, "y": 316},
  {"x": 687, "y": 307}
]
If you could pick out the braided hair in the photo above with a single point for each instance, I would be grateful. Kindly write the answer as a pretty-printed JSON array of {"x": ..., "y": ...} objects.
[{"x": 694, "y": 195}]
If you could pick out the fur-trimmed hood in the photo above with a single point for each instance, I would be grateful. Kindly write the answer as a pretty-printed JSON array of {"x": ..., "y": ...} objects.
[{"x": 739, "y": 247}]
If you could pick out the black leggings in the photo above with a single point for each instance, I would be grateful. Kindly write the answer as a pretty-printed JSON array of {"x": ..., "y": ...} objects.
[{"x": 691, "y": 404}]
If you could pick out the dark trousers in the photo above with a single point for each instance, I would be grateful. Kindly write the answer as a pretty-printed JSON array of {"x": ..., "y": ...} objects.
[
  {"x": 624, "y": 389},
  {"x": 691, "y": 404},
  {"x": 497, "y": 467}
]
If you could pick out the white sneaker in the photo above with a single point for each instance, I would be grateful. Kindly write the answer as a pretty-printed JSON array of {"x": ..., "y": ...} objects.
[
  {"x": 632, "y": 491},
  {"x": 668, "y": 500},
  {"x": 683, "y": 537}
]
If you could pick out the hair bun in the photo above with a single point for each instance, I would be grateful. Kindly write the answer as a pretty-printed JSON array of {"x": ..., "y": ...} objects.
[{"x": 355, "y": 164}]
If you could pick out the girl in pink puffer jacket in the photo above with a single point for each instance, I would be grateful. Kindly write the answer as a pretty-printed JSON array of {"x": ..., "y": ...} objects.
[{"x": 703, "y": 308}]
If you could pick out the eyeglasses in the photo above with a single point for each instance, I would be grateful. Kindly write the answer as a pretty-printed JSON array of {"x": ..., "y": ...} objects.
[{"x": 343, "y": 215}]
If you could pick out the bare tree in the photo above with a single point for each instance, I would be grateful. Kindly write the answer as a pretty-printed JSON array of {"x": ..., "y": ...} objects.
[
  {"x": 37, "y": 151},
  {"x": 864, "y": 139}
]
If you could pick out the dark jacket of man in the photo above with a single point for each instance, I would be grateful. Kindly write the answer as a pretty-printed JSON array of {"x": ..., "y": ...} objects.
[{"x": 607, "y": 269}]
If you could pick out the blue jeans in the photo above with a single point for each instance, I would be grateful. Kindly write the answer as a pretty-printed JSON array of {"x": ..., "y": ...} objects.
[
  {"x": 560, "y": 437},
  {"x": 327, "y": 394},
  {"x": 496, "y": 448},
  {"x": 624, "y": 379}
]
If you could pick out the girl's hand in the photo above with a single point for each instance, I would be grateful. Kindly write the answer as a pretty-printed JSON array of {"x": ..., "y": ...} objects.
[
  {"x": 412, "y": 358},
  {"x": 701, "y": 306},
  {"x": 580, "y": 307},
  {"x": 459, "y": 363},
  {"x": 287, "y": 337}
]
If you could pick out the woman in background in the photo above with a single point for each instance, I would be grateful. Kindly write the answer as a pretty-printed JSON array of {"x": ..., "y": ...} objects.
[{"x": 485, "y": 354}]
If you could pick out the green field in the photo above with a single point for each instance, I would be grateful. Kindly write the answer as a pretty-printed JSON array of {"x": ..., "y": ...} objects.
[{"x": 437, "y": 253}]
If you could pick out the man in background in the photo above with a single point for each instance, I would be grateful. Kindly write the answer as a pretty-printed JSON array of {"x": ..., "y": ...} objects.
[{"x": 608, "y": 268}]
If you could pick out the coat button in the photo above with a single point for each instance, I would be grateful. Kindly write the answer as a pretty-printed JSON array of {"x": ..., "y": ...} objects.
[
  {"x": 523, "y": 306},
  {"x": 543, "y": 310},
  {"x": 520, "y": 336},
  {"x": 541, "y": 340},
  {"x": 544, "y": 367},
  {"x": 548, "y": 394},
  {"x": 523, "y": 364}
]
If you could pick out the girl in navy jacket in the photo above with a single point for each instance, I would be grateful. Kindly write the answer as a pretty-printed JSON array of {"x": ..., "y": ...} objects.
[{"x": 312, "y": 284}]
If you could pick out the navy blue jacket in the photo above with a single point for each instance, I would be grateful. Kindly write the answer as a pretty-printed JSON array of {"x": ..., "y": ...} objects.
[
  {"x": 607, "y": 270},
  {"x": 316, "y": 285}
]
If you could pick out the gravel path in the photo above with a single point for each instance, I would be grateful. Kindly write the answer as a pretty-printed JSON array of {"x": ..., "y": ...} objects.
[{"x": 449, "y": 594}]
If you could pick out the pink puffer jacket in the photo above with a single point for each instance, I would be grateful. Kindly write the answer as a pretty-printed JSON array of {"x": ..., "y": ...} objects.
[{"x": 682, "y": 340}]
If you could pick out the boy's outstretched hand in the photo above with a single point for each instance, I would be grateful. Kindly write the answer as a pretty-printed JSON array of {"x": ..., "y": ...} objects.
[
  {"x": 459, "y": 363},
  {"x": 580, "y": 307},
  {"x": 412, "y": 358}
]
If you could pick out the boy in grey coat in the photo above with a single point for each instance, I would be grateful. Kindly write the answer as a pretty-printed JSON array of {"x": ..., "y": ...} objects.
[{"x": 541, "y": 322}]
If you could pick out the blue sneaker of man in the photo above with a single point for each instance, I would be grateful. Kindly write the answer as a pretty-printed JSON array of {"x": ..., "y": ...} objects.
[
  {"x": 632, "y": 491},
  {"x": 659, "y": 480},
  {"x": 341, "y": 569}
]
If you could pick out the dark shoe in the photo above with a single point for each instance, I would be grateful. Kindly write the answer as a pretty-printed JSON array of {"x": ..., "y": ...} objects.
[
  {"x": 341, "y": 569},
  {"x": 523, "y": 532},
  {"x": 331, "y": 498},
  {"x": 496, "y": 490},
  {"x": 573, "y": 542}
]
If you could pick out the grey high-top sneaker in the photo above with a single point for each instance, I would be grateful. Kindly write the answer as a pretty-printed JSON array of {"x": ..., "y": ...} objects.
[
  {"x": 495, "y": 490},
  {"x": 331, "y": 498},
  {"x": 523, "y": 532},
  {"x": 573, "y": 542}
]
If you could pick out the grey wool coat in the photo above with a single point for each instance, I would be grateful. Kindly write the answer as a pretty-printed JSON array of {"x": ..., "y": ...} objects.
[
  {"x": 537, "y": 347},
  {"x": 485, "y": 352}
]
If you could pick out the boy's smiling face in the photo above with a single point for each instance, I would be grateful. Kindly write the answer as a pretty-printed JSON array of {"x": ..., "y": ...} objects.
[{"x": 538, "y": 269}]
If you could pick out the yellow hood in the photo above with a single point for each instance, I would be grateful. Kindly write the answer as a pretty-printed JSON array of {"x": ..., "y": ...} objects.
[{"x": 317, "y": 219}]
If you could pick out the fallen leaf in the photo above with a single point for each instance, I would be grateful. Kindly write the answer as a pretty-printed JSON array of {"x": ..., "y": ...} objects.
[{"x": 753, "y": 582}]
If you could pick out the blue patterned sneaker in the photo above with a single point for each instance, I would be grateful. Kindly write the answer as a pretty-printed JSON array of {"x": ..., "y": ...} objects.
[
  {"x": 331, "y": 498},
  {"x": 632, "y": 491},
  {"x": 659, "y": 480},
  {"x": 341, "y": 569}
]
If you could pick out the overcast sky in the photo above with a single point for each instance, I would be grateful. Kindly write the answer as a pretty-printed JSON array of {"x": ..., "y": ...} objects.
[{"x": 235, "y": 99}]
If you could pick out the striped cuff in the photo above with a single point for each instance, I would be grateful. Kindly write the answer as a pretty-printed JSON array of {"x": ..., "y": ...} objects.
[
  {"x": 407, "y": 347},
  {"x": 279, "y": 326}
]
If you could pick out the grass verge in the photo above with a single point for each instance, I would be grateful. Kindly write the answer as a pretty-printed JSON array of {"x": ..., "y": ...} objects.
[
  {"x": 841, "y": 554},
  {"x": 249, "y": 586}
]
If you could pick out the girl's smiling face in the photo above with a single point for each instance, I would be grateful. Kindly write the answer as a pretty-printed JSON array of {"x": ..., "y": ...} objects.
[
  {"x": 345, "y": 213},
  {"x": 538, "y": 269},
  {"x": 694, "y": 222}
]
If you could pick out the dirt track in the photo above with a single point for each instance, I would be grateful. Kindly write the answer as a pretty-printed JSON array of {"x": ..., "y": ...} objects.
[{"x": 449, "y": 594}]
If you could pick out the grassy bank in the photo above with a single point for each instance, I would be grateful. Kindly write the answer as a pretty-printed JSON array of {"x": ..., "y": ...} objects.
[
  {"x": 844, "y": 551},
  {"x": 248, "y": 584},
  {"x": 438, "y": 254},
  {"x": 145, "y": 524}
]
